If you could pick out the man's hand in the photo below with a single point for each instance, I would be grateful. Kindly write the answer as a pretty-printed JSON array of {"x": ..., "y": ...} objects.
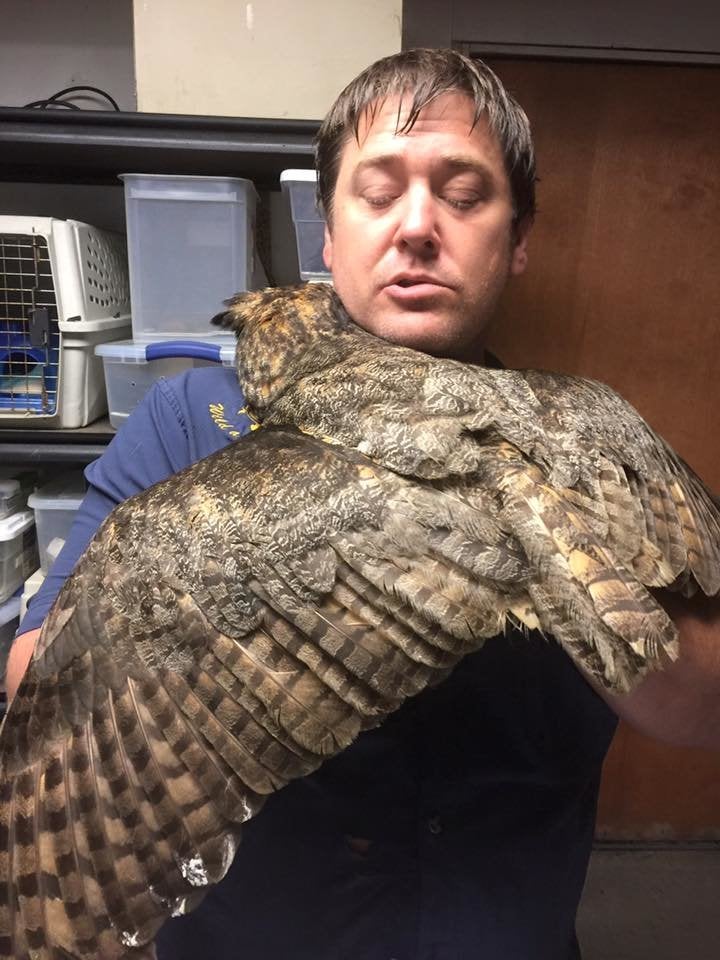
[
  {"x": 681, "y": 704},
  {"x": 18, "y": 660}
]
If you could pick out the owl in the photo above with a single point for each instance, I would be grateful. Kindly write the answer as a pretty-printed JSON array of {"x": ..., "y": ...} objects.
[{"x": 230, "y": 628}]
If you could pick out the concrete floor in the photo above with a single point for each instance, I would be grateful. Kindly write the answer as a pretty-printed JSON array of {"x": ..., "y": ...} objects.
[{"x": 652, "y": 903}]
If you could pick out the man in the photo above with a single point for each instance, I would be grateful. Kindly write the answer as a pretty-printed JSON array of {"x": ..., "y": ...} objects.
[{"x": 462, "y": 827}]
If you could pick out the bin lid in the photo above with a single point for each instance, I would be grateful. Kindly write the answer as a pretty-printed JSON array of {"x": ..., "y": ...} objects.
[
  {"x": 13, "y": 478},
  {"x": 33, "y": 582},
  {"x": 136, "y": 351},
  {"x": 182, "y": 177},
  {"x": 9, "y": 486},
  {"x": 289, "y": 176},
  {"x": 10, "y": 610},
  {"x": 165, "y": 186},
  {"x": 17, "y": 523},
  {"x": 63, "y": 493}
]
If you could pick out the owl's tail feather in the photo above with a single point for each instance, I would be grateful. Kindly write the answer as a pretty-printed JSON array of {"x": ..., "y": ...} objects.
[
  {"x": 125, "y": 820},
  {"x": 606, "y": 619},
  {"x": 384, "y": 631},
  {"x": 353, "y": 659},
  {"x": 89, "y": 885},
  {"x": 445, "y": 616},
  {"x": 647, "y": 549},
  {"x": 393, "y": 619},
  {"x": 246, "y": 717},
  {"x": 700, "y": 527}
]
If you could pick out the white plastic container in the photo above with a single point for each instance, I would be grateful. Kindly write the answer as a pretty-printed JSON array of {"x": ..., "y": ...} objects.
[
  {"x": 131, "y": 367},
  {"x": 30, "y": 588},
  {"x": 55, "y": 505},
  {"x": 15, "y": 485},
  {"x": 9, "y": 620},
  {"x": 63, "y": 288},
  {"x": 300, "y": 185},
  {"x": 11, "y": 497},
  {"x": 18, "y": 551},
  {"x": 191, "y": 246}
]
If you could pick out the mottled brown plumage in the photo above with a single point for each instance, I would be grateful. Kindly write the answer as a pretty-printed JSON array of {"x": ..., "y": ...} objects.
[{"x": 230, "y": 628}]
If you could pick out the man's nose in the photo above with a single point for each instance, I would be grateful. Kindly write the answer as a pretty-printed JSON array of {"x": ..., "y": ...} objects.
[{"x": 418, "y": 228}]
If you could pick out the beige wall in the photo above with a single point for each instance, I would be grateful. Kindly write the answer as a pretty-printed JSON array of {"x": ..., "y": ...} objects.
[
  {"x": 46, "y": 46},
  {"x": 267, "y": 58}
]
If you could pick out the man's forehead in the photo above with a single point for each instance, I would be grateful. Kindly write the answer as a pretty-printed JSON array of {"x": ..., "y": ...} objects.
[
  {"x": 448, "y": 122},
  {"x": 388, "y": 115}
]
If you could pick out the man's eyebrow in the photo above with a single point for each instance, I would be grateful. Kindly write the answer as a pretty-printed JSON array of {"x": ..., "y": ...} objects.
[
  {"x": 458, "y": 162},
  {"x": 462, "y": 162},
  {"x": 381, "y": 160}
]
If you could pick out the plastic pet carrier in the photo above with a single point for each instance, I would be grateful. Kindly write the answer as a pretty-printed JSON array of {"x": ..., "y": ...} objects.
[{"x": 63, "y": 289}]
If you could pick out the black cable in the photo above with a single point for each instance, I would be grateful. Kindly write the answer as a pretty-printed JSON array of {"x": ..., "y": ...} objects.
[
  {"x": 53, "y": 100},
  {"x": 102, "y": 93},
  {"x": 51, "y": 103}
]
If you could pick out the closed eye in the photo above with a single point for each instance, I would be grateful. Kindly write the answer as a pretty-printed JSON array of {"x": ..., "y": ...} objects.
[
  {"x": 462, "y": 203},
  {"x": 382, "y": 200}
]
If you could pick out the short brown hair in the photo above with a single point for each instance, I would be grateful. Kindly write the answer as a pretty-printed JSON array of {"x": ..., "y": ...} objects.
[{"x": 425, "y": 74}]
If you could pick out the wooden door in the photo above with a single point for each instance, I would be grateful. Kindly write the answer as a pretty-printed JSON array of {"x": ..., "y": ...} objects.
[{"x": 624, "y": 286}]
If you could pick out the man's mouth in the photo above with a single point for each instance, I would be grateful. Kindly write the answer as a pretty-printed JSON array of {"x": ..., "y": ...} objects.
[
  {"x": 414, "y": 289},
  {"x": 415, "y": 280}
]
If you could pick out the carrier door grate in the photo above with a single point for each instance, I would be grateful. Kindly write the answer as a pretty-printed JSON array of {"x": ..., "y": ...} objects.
[{"x": 29, "y": 332}]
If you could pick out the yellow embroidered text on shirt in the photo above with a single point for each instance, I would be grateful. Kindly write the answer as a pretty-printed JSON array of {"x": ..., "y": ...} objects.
[{"x": 217, "y": 412}]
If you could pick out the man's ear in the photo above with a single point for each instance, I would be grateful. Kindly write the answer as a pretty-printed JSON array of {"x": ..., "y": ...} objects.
[
  {"x": 519, "y": 258},
  {"x": 327, "y": 248}
]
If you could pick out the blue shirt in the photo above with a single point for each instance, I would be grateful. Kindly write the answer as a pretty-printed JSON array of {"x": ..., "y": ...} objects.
[{"x": 459, "y": 829}]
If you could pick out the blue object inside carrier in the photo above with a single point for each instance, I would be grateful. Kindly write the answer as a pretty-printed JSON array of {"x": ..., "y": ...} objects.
[{"x": 29, "y": 332}]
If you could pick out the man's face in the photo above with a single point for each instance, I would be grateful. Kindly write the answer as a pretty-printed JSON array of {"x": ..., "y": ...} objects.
[{"x": 421, "y": 241}]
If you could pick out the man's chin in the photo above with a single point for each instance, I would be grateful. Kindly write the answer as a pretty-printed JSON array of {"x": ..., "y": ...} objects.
[{"x": 430, "y": 331}]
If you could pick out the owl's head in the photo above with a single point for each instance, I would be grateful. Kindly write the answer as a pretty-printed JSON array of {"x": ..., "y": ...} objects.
[{"x": 276, "y": 329}]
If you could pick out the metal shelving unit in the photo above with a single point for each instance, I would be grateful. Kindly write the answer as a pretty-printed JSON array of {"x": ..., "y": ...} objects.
[
  {"x": 33, "y": 446},
  {"x": 93, "y": 147}
]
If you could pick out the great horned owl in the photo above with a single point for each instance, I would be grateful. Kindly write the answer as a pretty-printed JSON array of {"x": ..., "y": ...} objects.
[{"x": 230, "y": 628}]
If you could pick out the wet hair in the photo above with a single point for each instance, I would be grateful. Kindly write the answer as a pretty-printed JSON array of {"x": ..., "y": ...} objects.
[{"x": 421, "y": 76}]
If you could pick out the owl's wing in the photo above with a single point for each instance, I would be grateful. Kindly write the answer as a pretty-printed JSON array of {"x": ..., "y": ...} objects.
[
  {"x": 233, "y": 626},
  {"x": 647, "y": 500},
  {"x": 224, "y": 633}
]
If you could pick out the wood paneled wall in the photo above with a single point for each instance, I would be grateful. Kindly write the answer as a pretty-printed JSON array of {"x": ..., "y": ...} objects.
[{"x": 624, "y": 286}]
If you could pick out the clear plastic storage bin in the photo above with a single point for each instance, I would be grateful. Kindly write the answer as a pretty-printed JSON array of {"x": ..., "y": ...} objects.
[
  {"x": 131, "y": 368},
  {"x": 18, "y": 551},
  {"x": 30, "y": 588},
  {"x": 55, "y": 505},
  {"x": 15, "y": 485},
  {"x": 9, "y": 620},
  {"x": 11, "y": 497},
  {"x": 300, "y": 185},
  {"x": 190, "y": 247}
]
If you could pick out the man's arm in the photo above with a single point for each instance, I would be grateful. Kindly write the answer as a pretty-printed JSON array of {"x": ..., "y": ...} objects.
[
  {"x": 95, "y": 507},
  {"x": 18, "y": 660},
  {"x": 681, "y": 703}
]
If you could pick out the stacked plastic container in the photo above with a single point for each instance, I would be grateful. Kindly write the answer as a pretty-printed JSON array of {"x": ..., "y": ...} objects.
[
  {"x": 190, "y": 247},
  {"x": 300, "y": 186},
  {"x": 18, "y": 548},
  {"x": 54, "y": 505},
  {"x": 131, "y": 367},
  {"x": 18, "y": 557}
]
